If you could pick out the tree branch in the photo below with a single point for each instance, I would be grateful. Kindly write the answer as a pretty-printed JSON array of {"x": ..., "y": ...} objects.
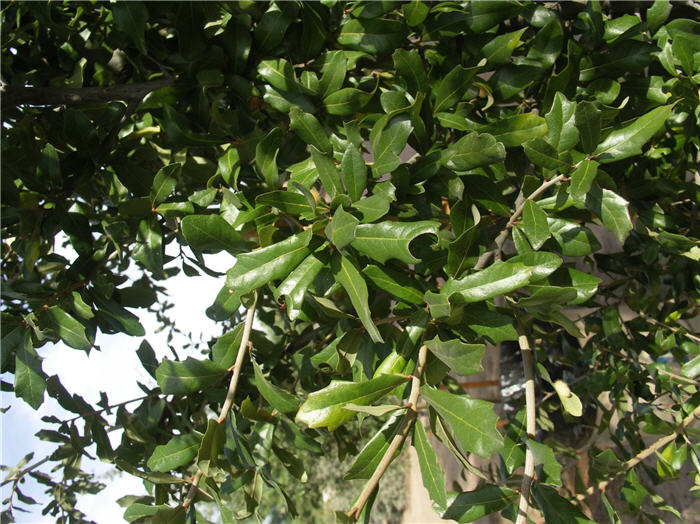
[
  {"x": 228, "y": 403},
  {"x": 14, "y": 96},
  {"x": 503, "y": 235},
  {"x": 531, "y": 426},
  {"x": 398, "y": 439}
]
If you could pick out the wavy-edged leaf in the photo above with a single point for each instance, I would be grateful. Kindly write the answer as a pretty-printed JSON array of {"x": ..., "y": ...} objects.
[
  {"x": 395, "y": 283},
  {"x": 517, "y": 129},
  {"x": 388, "y": 139},
  {"x": 543, "y": 154},
  {"x": 410, "y": 67},
  {"x": 281, "y": 400},
  {"x": 431, "y": 472},
  {"x": 164, "y": 182},
  {"x": 464, "y": 359},
  {"x": 30, "y": 380},
  {"x": 371, "y": 454},
  {"x": 210, "y": 447},
  {"x": 612, "y": 210},
  {"x": 293, "y": 203},
  {"x": 341, "y": 229},
  {"x": 225, "y": 349},
  {"x": 66, "y": 327},
  {"x": 555, "y": 508},
  {"x": 535, "y": 224},
  {"x": 497, "y": 279},
  {"x": 574, "y": 240},
  {"x": 346, "y": 273},
  {"x": 324, "y": 408},
  {"x": 188, "y": 376},
  {"x": 562, "y": 133},
  {"x": 473, "y": 421},
  {"x": 585, "y": 285},
  {"x": 346, "y": 101},
  {"x": 453, "y": 86},
  {"x": 588, "y": 120},
  {"x": 279, "y": 73},
  {"x": 255, "y": 269},
  {"x": 297, "y": 282},
  {"x": 309, "y": 130},
  {"x": 211, "y": 233},
  {"x": 149, "y": 246},
  {"x": 499, "y": 49},
  {"x": 327, "y": 172},
  {"x": 178, "y": 451},
  {"x": 266, "y": 156},
  {"x": 354, "y": 172},
  {"x": 385, "y": 240},
  {"x": 582, "y": 178},
  {"x": 469, "y": 506},
  {"x": 473, "y": 150},
  {"x": 334, "y": 71}
]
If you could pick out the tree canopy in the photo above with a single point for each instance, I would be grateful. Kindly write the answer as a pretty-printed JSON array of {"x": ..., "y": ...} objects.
[{"x": 400, "y": 186}]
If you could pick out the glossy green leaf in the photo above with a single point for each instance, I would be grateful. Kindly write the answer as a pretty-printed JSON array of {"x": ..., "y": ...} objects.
[
  {"x": 516, "y": 130},
  {"x": 461, "y": 253},
  {"x": 211, "y": 233},
  {"x": 203, "y": 197},
  {"x": 431, "y": 472},
  {"x": 179, "y": 451},
  {"x": 562, "y": 133},
  {"x": 354, "y": 172},
  {"x": 346, "y": 273},
  {"x": 379, "y": 35},
  {"x": 628, "y": 141},
  {"x": 464, "y": 359},
  {"x": 573, "y": 240},
  {"x": 279, "y": 73},
  {"x": 585, "y": 285},
  {"x": 149, "y": 247},
  {"x": 164, "y": 182},
  {"x": 30, "y": 381},
  {"x": 582, "y": 178},
  {"x": 292, "y": 203},
  {"x": 469, "y": 506},
  {"x": 544, "y": 456},
  {"x": 327, "y": 172},
  {"x": 453, "y": 86},
  {"x": 535, "y": 224},
  {"x": 270, "y": 30},
  {"x": 588, "y": 121},
  {"x": 410, "y": 66},
  {"x": 346, "y": 101},
  {"x": 499, "y": 49},
  {"x": 395, "y": 283},
  {"x": 66, "y": 327},
  {"x": 555, "y": 508},
  {"x": 309, "y": 130},
  {"x": 388, "y": 139},
  {"x": 542, "y": 154},
  {"x": 612, "y": 210},
  {"x": 385, "y": 240},
  {"x": 225, "y": 349},
  {"x": 188, "y": 376},
  {"x": 266, "y": 156},
  {"x": 210, "y": 447},
  {"x": 255, "y": 269},
  {"x": 473, "y": 421},
  {"x": 278, "y": 398},
  {"x": 375, "y": 411},
  {"x": 341, "y": 229},
  {"x": 324, "y": 408},
  {"x": 371, "y": 454},
  {"x": 547, "y": 44},
  {"x": 295, "y": 285},
  {"x": 414, "y": 12},
  {"x": 513, "y": 453},
  {"x": 548, "y": 295},
  {"x": 473, "y": 150},
  {"x": 333, "y": 75},
  {"x": 118, "y": 318},
  {"x": 497, "y": 279}
]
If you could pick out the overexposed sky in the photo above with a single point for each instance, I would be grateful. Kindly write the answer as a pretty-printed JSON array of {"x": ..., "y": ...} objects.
[{"x": 113, "y": 370}]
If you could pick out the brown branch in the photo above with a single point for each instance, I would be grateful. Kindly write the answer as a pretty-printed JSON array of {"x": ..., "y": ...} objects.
[
  {"x": 503, "y": 235},
  {"x": 531, "y": 426},
  {"x": 228, "y": 403},
  {"x": 14, "y": 96},
  {"x": 398, "y": 439}
]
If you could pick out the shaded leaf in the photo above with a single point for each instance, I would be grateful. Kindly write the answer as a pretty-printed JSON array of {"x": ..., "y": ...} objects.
[
  {"x": 341, "y": 229},
  {"x": 297, "y": 282},
  {"x": 395, "y": 283},
  {"x": 469, "y": 506},
  {"x": 188, "y": 376},
  {"x": 464, "y": 359},
  {"x": 354, "y": 172},
  {"x": 309, "y": 130},
  {"x": 612, "y": 210},
  {"x": 431, "y": 472},
  {"x": 278, "y": 398},
  {"x": 535, "y": 224},
  {"x": 211, "y": 233},
  {"x": 473, "y": 150},
  {"x": 371, "y": 454},
  {"x": 179, "y": 451}
]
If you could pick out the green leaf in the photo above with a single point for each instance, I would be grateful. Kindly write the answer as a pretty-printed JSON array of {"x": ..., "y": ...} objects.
[
  {"x": 175, "y": 209},
  {"x": 253, "y": 270},
  {"x": 341, "y": 229},
  {"x": 469, "y": 506},
  {"x": 543, "y": 264},
  {"x": 203, "y": 197},
  {"x": 513, "y": 453},
  {"x": 377, "y": 205},
  {"x": 497, "y": 279},
  {"x": 225, "y": 349},
  {"x": 164, "y": 182},
  {"x": 66, "y": 327},
  {"x": 414, "y": 12},
  {"x": 464, "y": 359},
  {"x": 544, "y": 456},
  {"x": 555, "y": 508},
  {"x": 388, "y": 239},
  {"x": 188, "y": 376},
  {"x": 229, "y": 166},
  {"x": 210, "y": 447},
  {"x": 379, "y": 35},
  {"x": 585, "y": 285},
  {"x": 345, "y": 272},
  {"x": 473, "y": 150},
  {"x": 548, "y": 295},
  {"x": 375, "y": 411},
  {"x": 588, "y": 121},
  {"x": 517, "y": 129},
  {"x": 137, "y": 510},
  {"x": 295, "y": 285},
  {"x": 547, "y": 44},
  {"x": 149, "y": 246},
  {"x": 388, "y": 139},
  {"x": 409, "y": 66},
  {"x": 266, "y": 156},
  {"x": 118, "y": 318},
  {"x": 30, "y": 380},
  {"x": 324, "y": 408},
  {"x": 354, "y": 172},
  {"x": 309, "y": 130},
  {"x": 293, "y": 203},
  {"x": 346, "y": 101},
  {"x": 368, "y": 458},
  {"x": 131, "y": 20},
  {"x": 535, "y": 224},
  {"x": 657, "y": 14},
  {"x": 628, "y": 141},
  {"x": 179, "y": 451},
  {"x": 612, "y": 210},
  {"x": 582, "y": 179},
  {"x": 270, "y": 30},
  {"x": 453, "y": 86},
  {"x": 278, "y": 398},
  {"x": 279, "y": 74},
  {"x": 473, "y": 421},
  {"x": 211, "y": 233},
  {"x": 541, "y": 153},
  {"x": 327, "y": 172},
  {"x": 573, "y": 240},
  {"x": 562, "y": 133},
  {"x": 569, "y": 400},
  {"x": 431, "y": 472},
  {"x": 498, "y": 50},
  {"x": 395, "y": 283},
  {"x": 334, "y": 71}
]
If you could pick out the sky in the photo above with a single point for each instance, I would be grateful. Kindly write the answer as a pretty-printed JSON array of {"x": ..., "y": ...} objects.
[{"x": 114, "y": 369}]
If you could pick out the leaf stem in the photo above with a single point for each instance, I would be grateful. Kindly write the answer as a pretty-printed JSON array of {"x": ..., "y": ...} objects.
[
  {"x": 398, "y": 439},
  {"x": 531, "y": 426},
  {"x": 519, "y": 206},
  {"x": 231, "y": 393}
]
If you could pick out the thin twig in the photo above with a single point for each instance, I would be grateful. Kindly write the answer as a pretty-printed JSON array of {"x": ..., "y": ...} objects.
[
  {"x": 21, "y": 473},
  {"x": 228, "y": 403},
  {"x": 398, "y": 439},
  {"x": 673, "y": 329},
  {"x": 519, "y": 206},
  {"x": 531, "y": 426}
]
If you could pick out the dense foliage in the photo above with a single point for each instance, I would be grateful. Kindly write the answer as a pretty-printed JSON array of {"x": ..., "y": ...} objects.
[{"x": 399, "y": 186}]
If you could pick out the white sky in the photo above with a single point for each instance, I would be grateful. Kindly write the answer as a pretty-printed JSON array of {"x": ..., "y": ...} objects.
[{"x": 114, "y": 370}]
